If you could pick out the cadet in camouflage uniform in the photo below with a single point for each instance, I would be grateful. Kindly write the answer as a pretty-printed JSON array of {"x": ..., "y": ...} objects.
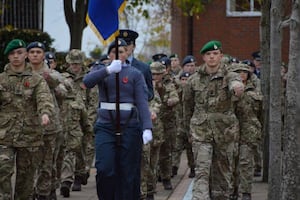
[
  {"x": 44, "y": 183},
  {"x": 189, "y": 67},
  {"x": 248, "y": 111},
  {"x": 182, "y": 140},
  {"x": 151, "y": 150},
  {"x": 208, "y": 107},
  {"x": 25, "y": 104},
  {"x": 169, "y": 97},
  {"x": 76, "y": 127},
  {"x": 75, "y": 59}
]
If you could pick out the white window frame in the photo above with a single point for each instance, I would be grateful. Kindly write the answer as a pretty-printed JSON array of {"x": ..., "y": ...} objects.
[{"x": 249, "y": 13}]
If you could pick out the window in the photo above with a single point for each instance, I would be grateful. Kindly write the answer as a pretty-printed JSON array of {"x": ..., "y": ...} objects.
[{"x": 243, "y": 8}]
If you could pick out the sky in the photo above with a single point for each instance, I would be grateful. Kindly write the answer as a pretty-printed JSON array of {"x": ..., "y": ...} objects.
[{"x": 55, "y": 25}]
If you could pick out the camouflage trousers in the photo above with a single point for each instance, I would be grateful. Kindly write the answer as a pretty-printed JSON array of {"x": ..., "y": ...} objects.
[
  {"x": 182, "y": 143},
  {"x": 47, "y": 165},
  {"x": 25, "y": 159},
  {"x": 89, "y": 152},
  {"x": 149, "y": 169},
  {"x": 73, "y": 165},
  {"x": 245, "y": 168},
  {"x": 165, "y": 155},
  {"x": 213, "y": 178}
]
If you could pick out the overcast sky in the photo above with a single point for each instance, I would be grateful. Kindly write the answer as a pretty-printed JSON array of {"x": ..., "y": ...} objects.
[{"x": 55, "y": 25}]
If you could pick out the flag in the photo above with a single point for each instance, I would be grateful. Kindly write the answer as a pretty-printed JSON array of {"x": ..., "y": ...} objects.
[{"x": 103, "y": 18}]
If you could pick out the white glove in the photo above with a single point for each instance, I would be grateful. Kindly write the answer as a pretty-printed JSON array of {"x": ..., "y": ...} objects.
[
  {"x": 114, "y": 67},
  {"x": 147, "y": 136}
]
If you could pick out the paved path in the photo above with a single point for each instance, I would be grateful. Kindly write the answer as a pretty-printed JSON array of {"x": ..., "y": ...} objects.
[{"x": 182, "y": 185}]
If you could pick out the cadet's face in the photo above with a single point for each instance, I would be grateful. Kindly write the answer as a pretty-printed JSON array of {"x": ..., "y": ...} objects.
[
  {"x": 17, "y": 57},
  {"x": 174, "y": 63},
  {"x": 75, "y": 67},
  {"x": 183, "y": 80},
  {"x": 243, "y": 75},
  {"x": 190, "y": 67},
  {"x": 130, "y": 49},
  {"x": 52, "y": 63},
  {"x": 122, "y": 54},
  {"x": 257, "y": 63},
  {"x": 36, "y": 55},
  {"x": 212, "y": 58},
  {"x": 157, "y": 77}
]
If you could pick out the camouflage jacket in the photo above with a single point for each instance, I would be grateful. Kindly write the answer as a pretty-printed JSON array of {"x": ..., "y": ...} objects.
[
  {"x": 209, "y": 105},
  {"x": 24, "y": 97},
  {"x": 248, "y": 111}
]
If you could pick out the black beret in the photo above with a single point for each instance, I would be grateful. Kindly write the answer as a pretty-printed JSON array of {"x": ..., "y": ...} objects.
[
  {"x": 128, "y": 35},
  {"x": 36, "y": 45},
  {"x": 249, "y": 63},
  {"x": 103, "y": 57},
  {"x": 165, "y": 61},
  {"x": 234, "y": 60},
  {"x": 121, "y": 43},
  {"x": 256, "y": 55},
  {"x": 173, "y": 56},
  {"x": 50, "y": 55},
  {"x": 188, "y": 59},
  {"x": 184, "y": 74},
  {"x": 158, "y": 56}
]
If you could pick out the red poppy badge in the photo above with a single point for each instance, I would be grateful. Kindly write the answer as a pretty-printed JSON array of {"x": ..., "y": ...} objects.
[
  {"x": 26, "y": 84},
  {"x": 125, "y": 79}
]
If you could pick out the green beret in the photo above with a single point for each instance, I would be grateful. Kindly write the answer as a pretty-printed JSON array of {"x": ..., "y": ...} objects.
[
  {"x": 210, "y": 46},
  {"x": 14, "y": 44}
]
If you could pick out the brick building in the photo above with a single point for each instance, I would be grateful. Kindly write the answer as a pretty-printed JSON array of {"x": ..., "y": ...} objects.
[{"x": 233, "y": 22}]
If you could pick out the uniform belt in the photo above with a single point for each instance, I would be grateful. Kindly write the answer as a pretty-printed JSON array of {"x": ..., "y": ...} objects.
[{"x": 112, "y": 106}]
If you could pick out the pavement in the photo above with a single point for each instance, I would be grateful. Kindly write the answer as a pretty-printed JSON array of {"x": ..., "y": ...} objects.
[{"x": 182, "y": 187}]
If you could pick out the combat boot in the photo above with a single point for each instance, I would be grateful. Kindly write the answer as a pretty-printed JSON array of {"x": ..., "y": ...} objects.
[
  {"x": 174, "y": 171},
  {"x": 77, "y": 184},
  {"x": 233, "y": 197},
  {"x": 246, "y": 196},
  {"x": 65, "y": 188},
  {"x": 85, "y": 178},
  {"x": 192, "y": 173},
  {"x": 150, "y": 197},
  {"x": 52, "y": 195},
  {"x": 167, "y": 184}
]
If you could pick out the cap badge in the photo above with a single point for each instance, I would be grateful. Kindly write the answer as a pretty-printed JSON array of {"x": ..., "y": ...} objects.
[
  {"x": 215, "y": 46},
  {"x": 125, "y": 34},
  {"x": 39, "y": 44},
  {"x": 119, "y": 42}
]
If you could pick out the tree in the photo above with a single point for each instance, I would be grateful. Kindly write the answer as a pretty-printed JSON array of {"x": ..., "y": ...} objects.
[
  {"x": 275, "y": 101},
  {"x": 291, "y": 158},
  {"x": 75, "y": 19}
]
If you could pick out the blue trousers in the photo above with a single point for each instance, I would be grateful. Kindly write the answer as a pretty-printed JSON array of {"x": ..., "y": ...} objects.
[{"x": 118, "y": 166}]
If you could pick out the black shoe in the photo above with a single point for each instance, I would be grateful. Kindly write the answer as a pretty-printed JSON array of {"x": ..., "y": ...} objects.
[
  {"x": 257, "y": 172},
  {"x": 65, "y": 189},
  {"x": 159, "y": 178},
  {"x": 167, "y": 184},
  {"x": 150, "y": 197},
  {"x": 192, "y": 173},
  {"x": 174, "y": 171},
  {"x": 42, "y": 197},
  {"x": 77, "y": 184},
  {"x": 52, "y": 195},
  {"x": 85, "y": 178},
  {"x": 233, "y": 197},
  {"x": 246, "y": 196}
]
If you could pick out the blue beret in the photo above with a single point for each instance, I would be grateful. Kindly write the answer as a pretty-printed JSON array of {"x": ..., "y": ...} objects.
[
  {"x": 103, "y": 57},
  {"x": 36, "y": 45},
  {"x": 50, "y": 55},
  {"x": 249, "y": 63},
  {"x": 14, "y": 44},
  {"x": 184, "y": 74},
  {"x": 158, "y": 56},
  {"x": 121, "y": 43},
  {"x": 256, "y": 55},
  {"x": 128, "y": 35},
  {"x": 188, "y": 59},
  {"x": 210, "y": 46},
  {"x": 165, "y": 61}
]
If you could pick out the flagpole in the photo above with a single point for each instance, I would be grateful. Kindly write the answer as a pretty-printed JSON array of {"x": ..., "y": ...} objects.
[{"x": 118, "y": 125}]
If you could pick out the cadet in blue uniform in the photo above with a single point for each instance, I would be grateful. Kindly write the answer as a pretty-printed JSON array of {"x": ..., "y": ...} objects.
[
  {"x": 118, "y": 166},
  {"x": 130, "y": 36}
]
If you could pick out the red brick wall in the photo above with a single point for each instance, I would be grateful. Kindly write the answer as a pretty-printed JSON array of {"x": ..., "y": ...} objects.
[{"x": 239, "y": 35}]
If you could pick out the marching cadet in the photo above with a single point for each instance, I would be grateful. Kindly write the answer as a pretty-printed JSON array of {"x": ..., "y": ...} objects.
[
  {"x": 248, "y": 111},
  {"x": 175, "y": 64},
  {"x": 169, "y": 97},
  {"x": 44, "y": 183},
  {"x": 76, "y": 70},
  {"x": 118, "y": 152},
  {"x": 76, "y": 127},
  {"x": 208, "y": 108},
  {"x": 25, "y": 104}
]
